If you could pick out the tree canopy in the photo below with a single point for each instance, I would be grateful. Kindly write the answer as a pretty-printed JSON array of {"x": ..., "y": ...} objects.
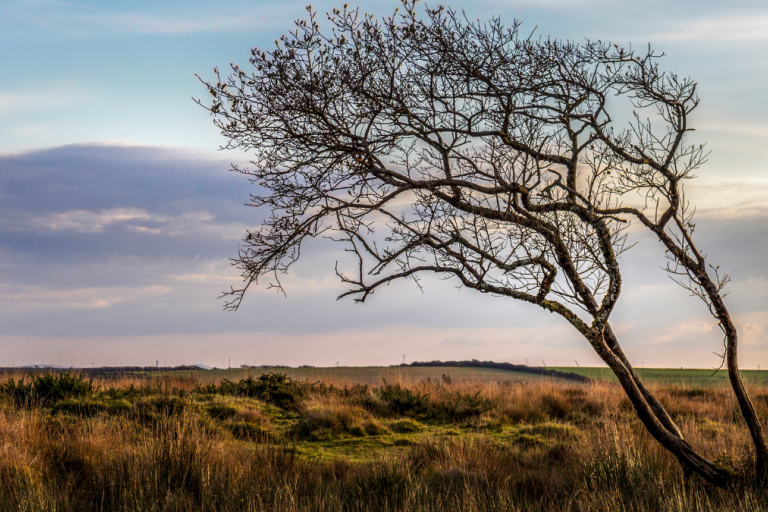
[{"x": 431, "y": 143}]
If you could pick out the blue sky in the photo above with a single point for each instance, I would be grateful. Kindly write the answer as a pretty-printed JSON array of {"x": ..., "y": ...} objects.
[{"x": 118, "y": 214}]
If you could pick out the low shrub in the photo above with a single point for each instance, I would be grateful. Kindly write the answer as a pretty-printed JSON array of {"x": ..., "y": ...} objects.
[
  {"x": 402, "y": 400},
  {"x": 461, "y": 406},
  {"x": 274, "y": 388},
  {"x": 166, "y": 404},
  {"x": 555, "y": 406},
  {"x": 46, "y": 388}
]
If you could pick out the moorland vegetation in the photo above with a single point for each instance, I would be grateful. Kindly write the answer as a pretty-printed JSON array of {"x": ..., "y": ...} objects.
[{"x": 189, "y": 442}]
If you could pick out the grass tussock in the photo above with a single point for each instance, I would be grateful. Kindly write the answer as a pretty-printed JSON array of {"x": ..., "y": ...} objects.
[{"x": 270, "y": 443}]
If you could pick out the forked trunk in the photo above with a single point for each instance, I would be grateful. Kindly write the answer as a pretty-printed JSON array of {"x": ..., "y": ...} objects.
[
  {"x": 658, "y": 410},
  {"x": 671, "y": 439}
]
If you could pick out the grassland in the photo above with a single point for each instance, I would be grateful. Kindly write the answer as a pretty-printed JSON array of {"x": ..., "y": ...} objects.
[
  {"x": 469, "y": 442},
  {"x": 351, "y": 375},
  {"x": 674, "y": 376}
]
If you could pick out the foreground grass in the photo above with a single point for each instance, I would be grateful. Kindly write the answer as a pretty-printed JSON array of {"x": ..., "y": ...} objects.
[{"x": 274, "y": 444}]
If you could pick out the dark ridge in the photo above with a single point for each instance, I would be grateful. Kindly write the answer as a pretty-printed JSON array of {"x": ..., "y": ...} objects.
[
  {"x": 102, "y": 371},
  {"x": 537, "y": 370}
]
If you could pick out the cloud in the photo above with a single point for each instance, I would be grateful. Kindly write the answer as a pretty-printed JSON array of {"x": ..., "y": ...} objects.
[
  {"x": 546, "y": 4},
  {"x": 135, "y": 23},
  {"x": 722, "y": 27},
  {"x": 759, "y": 130},
  {"x": 55, "y": 96},
  {"x": 118, "y": 242},
  {"x": 75, "y": 20},
  {"x": 20, "y": 296},
  {"x": 84, "y": 221}
]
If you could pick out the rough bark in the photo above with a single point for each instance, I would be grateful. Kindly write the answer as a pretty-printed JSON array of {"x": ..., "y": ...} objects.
[
  {"x": 690, "y": 461},
  {"x": 745, "y": 404}
]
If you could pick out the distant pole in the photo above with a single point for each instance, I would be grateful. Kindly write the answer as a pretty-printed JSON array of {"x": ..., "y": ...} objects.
[
  {"x": 337, "y": 364},
  {"x": 229, "y": 363},
  {"x": 157, "y": 364},
  {"x": 577, "y": 363},
  {"x": 526, "y": 361},
  {"x": 543, "y": 363}
]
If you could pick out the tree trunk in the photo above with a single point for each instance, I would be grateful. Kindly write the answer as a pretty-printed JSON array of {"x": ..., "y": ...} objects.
[
  {"x": 745, "y": 404},
  {"x": 689, "y": 460},
  {"x": 659, "y": 411},
  {"x": 732, "y": 363}
]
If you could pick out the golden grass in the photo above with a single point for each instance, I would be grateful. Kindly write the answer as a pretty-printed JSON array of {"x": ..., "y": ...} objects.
[{"x": 472, "y": 445}]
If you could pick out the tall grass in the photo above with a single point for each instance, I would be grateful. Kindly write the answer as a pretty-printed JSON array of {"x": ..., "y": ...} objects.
[{"x": 180, "y": 444}]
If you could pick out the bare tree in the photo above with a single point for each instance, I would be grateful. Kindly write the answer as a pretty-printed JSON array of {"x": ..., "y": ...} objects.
[{"x": 462, "y": 148}]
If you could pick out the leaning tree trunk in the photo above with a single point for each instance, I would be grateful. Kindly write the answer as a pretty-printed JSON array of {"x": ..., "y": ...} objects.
[
  {"x": 696, "y": 266},
  {"x": 690, "y": 461},
  {"x": 602, "y": 338},
  {"x": 658, "y": 410},
  {"x": 732, "y": 363}
]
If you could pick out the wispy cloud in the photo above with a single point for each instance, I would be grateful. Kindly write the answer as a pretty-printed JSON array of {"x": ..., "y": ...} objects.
[
  {"x": 725, "y": 198},
  {"x": 24, "y": 296},
  {"x": 84, "y": 221},
  {"x": 173, "y": 24},
  {"x": 546, "y": 4},
  {"x": 748, "y": 129},
  {"x": 53, "y": 96},
  {"x": 71, "y": 19},
  {"x": 744, "y": 27}
]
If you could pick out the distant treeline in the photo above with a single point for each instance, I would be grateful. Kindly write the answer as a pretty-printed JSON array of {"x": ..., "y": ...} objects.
[
  {"x": 265, "y": 366},
  {"x": 102, "y": 370},
  {"x": 537, "y": 370}
]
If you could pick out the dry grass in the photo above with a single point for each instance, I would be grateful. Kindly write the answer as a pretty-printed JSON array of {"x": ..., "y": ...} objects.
[{"x": 175, "y": 444}]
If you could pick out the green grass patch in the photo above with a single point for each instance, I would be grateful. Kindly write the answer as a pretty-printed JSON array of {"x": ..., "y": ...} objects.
[{"x": 674, "y": 376}]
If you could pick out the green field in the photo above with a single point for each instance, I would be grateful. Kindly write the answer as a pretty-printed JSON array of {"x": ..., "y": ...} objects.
[
  {"x": 376, "y": 375},
  {"x": 675, "y": 376},
  {"x": 371, "y": 375}
]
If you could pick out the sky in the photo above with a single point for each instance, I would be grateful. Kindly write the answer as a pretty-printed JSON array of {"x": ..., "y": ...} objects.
[{"x": 118, "y": 215}]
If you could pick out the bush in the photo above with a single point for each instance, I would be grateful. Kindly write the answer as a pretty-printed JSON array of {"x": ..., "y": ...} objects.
[
  {"x": 166, "y": 404},
  {"x": 462, "y": 406},
  {"x": 555, "y": 406},
  {"x": 274, "y": 388},
  {"x": 403, "y": 401},
  {"x": 47, "y": 388}
]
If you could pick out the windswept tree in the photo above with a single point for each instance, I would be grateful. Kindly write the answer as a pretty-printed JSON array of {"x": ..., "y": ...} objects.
[{"x": 435, "y": 144}]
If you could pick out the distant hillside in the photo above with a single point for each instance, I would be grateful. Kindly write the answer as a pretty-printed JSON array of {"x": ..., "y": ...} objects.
[{"x": 537, "y": 370}]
